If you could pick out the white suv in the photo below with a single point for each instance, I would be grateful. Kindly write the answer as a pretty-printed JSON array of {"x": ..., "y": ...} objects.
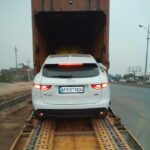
[{"x": 71, "y": 86}]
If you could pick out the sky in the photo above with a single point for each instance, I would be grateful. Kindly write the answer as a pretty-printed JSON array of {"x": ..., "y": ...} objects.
[{"x": 127, "y": 41}]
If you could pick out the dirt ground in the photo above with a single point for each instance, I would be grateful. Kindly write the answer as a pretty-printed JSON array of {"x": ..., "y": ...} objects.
[
  {"x": 11, "y": 88},
  {"x": 11, "y": 125}
]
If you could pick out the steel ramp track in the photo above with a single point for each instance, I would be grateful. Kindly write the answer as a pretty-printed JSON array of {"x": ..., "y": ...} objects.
[
  {"x": 108, "y": 136},
  {"x": 104, "y": 138},
  {"x": 42, "y": 137},
  {"x": 74, "y": 134},
  {"x": 118, "y": 138}
]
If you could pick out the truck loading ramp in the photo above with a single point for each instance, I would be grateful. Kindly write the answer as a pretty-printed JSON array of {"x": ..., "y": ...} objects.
[{"x": 75, "y": 134}]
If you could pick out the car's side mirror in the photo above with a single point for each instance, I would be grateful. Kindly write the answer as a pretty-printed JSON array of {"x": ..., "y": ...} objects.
[{"x": 102, "y": 67}]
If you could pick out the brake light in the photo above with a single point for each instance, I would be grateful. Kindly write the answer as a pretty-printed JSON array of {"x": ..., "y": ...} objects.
[
  {"x": 70, "y": 65},
  {"x": 42, "y": 87},
  {"x": 99, "y": 86}
]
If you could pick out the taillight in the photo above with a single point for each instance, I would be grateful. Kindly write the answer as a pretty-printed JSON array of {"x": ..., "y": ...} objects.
[
  {"x": 42, "y": 87},
  {"x": 99, "y": 86},
  {"x": 45, "y": 87},
  {"x": 96, "y": 86}
]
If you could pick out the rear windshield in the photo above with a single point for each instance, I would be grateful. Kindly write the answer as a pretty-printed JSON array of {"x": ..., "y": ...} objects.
[{"x": 72, "y": 71}]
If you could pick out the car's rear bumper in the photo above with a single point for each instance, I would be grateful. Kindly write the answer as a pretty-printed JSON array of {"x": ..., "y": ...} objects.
[{"x": 72, "y": 112}]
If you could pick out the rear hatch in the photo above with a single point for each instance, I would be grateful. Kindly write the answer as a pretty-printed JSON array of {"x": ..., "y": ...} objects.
[{"x": 71, "y": 84}]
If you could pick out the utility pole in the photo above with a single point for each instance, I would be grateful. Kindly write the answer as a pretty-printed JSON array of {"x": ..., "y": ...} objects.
[
  {"x": 147, "y": 45},
  {"x": 28, "y": 62},
  {"x": 16, "y": 56},
  {"x": 16, "y": 62},
  {"x": 148, "y": 32}
]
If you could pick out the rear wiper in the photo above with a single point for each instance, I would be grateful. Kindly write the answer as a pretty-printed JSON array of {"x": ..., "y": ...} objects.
[{"x": 62, "y": 76}]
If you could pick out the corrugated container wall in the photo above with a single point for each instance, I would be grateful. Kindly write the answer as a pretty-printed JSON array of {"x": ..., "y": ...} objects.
[{"x": 70, "y": 26}]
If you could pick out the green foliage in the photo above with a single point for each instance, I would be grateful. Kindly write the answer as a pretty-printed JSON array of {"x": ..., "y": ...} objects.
[
  {"x": 25, "y": 78},
  {"x": 6, "y": 77},
  {"x": 127, "y": 76}
]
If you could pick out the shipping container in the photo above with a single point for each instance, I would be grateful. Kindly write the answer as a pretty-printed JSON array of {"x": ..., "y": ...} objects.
[{"x": 70, "y": 26}]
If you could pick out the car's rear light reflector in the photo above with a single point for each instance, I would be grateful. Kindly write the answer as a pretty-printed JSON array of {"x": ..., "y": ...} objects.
[
  {"x": 41, "y": 114},
  {"x": 99, "y": 86},
  {"x": 42, "y": 87},
  {"x": 70, "y": 65}
]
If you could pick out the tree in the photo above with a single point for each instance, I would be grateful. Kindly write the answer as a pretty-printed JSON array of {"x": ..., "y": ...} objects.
[
  {"x": 128, "y": 76},
  {"x": 6, "y": 77}
]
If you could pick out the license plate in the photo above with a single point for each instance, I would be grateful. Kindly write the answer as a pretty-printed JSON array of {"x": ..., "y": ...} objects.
[{"x": 71, "y": 90}]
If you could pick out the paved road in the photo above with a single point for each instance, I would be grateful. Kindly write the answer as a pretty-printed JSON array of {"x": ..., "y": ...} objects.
[{"x": 132, "y": 105}]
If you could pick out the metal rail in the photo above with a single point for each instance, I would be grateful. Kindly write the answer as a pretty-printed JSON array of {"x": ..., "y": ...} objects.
[
  {"x": 73, "y": 134},
  {"x": 14, "y": 101}
]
